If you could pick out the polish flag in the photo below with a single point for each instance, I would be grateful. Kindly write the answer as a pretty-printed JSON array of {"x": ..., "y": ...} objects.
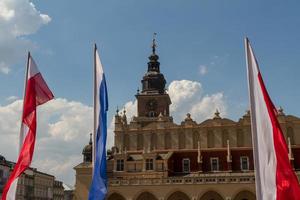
[
  {"x": 36, "y": 93},
  {"x": 275, "y": 177}
]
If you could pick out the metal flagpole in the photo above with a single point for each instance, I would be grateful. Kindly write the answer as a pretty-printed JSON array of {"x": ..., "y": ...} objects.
[
  {"x": 95, "y": 103},
  {"x": 21, "y": 139}
]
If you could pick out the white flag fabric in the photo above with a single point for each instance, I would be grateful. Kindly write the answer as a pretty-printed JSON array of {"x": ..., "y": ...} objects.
[{"x": 275, "y": 178}]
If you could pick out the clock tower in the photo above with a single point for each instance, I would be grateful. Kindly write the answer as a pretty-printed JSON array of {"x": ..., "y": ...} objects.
[{"x": 153, "y": 100}]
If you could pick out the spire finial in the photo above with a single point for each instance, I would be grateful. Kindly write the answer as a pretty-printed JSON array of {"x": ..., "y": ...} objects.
[
  {"x": 217, "y": 114},
  {"x": 280, "y": 111},
  {"x": 91, "y": 140},
  {"x": 153, "y": 43},
  {"x": 117, "y": 111}
]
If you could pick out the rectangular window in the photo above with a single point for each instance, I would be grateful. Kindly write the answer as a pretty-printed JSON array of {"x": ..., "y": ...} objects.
[
  {"x": 214, "y": 164},
  {"x": 244, "y": 163},
  {"x": 120, "y": 165},
  {"x": 149, "y": 164},
  {"x": 186, "y": 165}
]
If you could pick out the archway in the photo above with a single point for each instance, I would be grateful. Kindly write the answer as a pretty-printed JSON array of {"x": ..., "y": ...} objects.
[
  {"x": 178, "y": 196},
  {"x": 115, "y": 196},
  {"x": 245, "y": 195},
  {"x": 211, "y": 195},
  {"x": 146, "y": 196}
]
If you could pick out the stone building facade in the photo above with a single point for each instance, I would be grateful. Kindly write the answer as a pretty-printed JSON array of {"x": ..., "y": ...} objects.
[
  {"x": 157, "y": 159},
  {"x": 32, "y": 184}
]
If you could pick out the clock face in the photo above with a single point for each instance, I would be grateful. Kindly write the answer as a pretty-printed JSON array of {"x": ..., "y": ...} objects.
[{"x": 152, "y": 104}]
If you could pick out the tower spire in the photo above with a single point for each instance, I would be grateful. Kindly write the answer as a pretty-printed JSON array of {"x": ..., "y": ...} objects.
[
  {"x": 154, "y": 43},
  {"x": 91, "y": 140}
]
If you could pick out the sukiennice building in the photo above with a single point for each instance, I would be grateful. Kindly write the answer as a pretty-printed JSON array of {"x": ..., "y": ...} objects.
[{"x": 155, "y": 159}]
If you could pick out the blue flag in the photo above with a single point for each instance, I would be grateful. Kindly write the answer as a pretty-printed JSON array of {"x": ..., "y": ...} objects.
[{"x": 98, "y": 188}]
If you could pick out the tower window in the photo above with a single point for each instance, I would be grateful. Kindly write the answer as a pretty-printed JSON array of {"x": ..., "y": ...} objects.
[
  {"x": 214, "y": 164},
  {"x": 120, "y": 165},
  {"x": 186, "y": 165},
  {"x": 149, "y": 164},
  {"x": 151, "y": 114},
  {"x": 244, "y": 163}
]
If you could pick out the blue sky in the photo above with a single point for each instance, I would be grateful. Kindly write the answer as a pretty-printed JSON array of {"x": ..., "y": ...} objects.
[{"x": 190, "y": 35}]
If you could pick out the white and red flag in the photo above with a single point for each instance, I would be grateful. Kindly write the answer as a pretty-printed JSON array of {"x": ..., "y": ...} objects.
[
  {"x": 36, "y": 93},
  {"x": 275, "y": 177}
]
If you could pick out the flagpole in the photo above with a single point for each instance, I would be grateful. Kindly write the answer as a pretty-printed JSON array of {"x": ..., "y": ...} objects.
[
  {"x": 95, "y": 102},
  {"x": 24, "y": 94},
  {"x": 254, "y": 138}
]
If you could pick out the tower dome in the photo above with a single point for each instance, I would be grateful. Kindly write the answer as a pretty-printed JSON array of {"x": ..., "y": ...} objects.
[{"x": 88, "y": 151}]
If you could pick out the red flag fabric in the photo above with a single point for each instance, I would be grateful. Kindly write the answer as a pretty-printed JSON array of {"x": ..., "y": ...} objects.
[
  {"x": 36, "y": 93},
  {"x": 274, "y": 175}
]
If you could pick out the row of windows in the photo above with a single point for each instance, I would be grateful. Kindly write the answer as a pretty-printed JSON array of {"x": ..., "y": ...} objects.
[
  {"x": 149, "y": 164},
  {"x": 214, "y": 164}
]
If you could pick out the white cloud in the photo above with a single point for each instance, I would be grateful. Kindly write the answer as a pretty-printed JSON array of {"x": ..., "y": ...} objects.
[
  {"x": 64, "y": 126},
  {"x": 12, "y": 98},
  {"x": 4, "y": 68},
  {"x": 187, "y": 97},
  {"x": 18, "y": 19},
  {"x": 63, "y": 131},
  {"x": 203, "y": 69}
]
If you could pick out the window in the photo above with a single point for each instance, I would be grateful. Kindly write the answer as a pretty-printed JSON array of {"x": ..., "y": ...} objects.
[
  {"x": 214, "y": 164},
  {"x": 244, "y": 163},
  {"x": 186, "y": 165},
  {"x": 151, "y": 114},
  {"x": 120, "y": 165},
  {"x": 149, "y": 164}
]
